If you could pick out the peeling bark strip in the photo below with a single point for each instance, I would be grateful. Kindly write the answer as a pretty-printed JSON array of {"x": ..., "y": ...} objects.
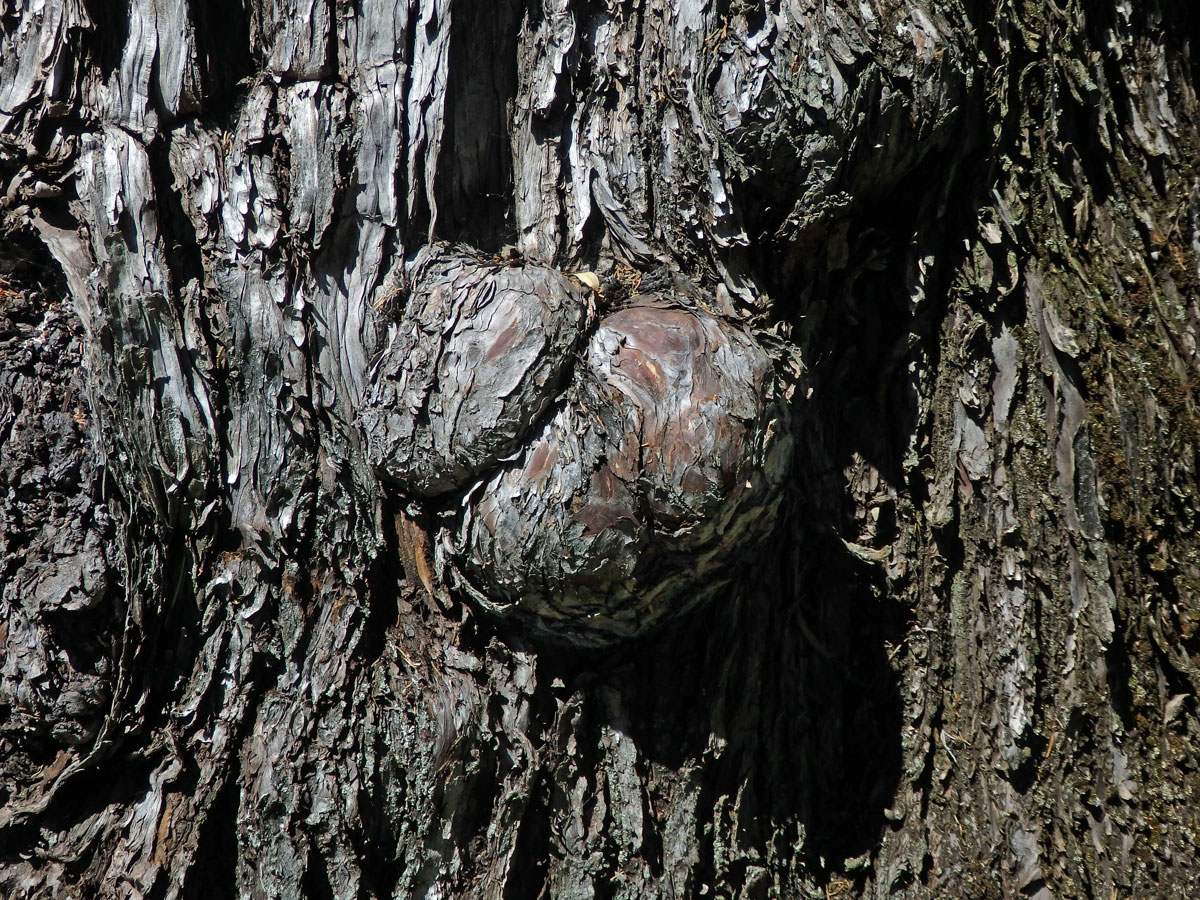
[
  {"x": 661, "y": 462},
  {"x": 971, "y": 670}
]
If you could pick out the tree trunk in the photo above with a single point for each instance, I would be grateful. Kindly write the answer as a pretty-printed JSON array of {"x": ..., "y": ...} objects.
[{"x": 820, "y": 522}]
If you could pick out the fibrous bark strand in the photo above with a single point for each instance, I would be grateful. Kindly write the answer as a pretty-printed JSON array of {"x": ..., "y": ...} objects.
[{"x": 969, "y": 667}]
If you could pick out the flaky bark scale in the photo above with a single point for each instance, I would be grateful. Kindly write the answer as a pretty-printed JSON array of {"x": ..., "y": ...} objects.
[{"x": 971, "y": 671}]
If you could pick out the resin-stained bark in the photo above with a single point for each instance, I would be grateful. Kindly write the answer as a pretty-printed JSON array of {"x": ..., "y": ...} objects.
[{"x": 274, "y": 625}]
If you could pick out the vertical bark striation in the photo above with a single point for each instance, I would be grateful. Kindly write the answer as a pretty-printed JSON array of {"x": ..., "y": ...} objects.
[{"x": 954, "y": 651}]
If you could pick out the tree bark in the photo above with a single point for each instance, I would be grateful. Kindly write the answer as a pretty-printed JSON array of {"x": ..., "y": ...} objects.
[{"x": 330, "y": 567}]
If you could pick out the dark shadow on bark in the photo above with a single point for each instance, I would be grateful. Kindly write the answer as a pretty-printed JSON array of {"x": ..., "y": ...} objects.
[
  {"x": 793, "y": 680},
  {"x": 853, "y": 699},
  {"x": 223, "y": 45},
  {"x": 214, "y": 875},
  {"x": 112, "y": 23},
  {"x": 474, "y": 184}
]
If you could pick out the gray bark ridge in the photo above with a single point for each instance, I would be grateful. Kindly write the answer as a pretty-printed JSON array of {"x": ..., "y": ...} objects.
[{"x": 602, "y": 491}]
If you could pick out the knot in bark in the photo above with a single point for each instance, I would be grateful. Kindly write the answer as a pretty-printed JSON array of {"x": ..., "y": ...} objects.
[{"x": 604, "y": 482}]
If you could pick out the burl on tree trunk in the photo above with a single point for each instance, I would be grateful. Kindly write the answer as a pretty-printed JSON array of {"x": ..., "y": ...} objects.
[
  {"x": 595, "y": 477},
  {"x": 595, "y": 449}
]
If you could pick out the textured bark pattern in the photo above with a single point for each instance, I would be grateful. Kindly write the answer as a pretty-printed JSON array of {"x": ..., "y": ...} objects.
[
  {"x": 663, "y": 466},
  {"x": 480, "y": 353},
  {"x": 56, "y": 536},
  {"x": 967, "y": 663}
]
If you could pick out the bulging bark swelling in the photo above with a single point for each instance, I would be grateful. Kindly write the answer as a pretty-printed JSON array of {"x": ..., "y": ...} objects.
[
  {"x": 659, "y": 457},
  {"x": 630, "y": 505},
  {"x": 481, "y": 352},
  {"x": 963, "y": 663}
]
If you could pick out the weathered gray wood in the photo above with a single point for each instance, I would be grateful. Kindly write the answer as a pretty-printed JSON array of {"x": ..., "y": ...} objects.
[{"x": 950, "y": 250}]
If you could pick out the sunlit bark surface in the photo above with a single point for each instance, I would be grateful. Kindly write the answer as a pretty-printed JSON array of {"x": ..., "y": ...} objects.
[{"x": 581, "y": 450}]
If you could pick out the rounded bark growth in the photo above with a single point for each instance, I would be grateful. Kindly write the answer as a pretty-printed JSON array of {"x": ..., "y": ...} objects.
[
  {"x": 618, "y": 488},
  {"x": 629, "y": 506},
  {"x": 481, "y": 351}
]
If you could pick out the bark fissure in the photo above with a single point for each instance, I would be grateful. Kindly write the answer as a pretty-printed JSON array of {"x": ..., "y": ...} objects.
[{"x": 953, "y": 650}]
